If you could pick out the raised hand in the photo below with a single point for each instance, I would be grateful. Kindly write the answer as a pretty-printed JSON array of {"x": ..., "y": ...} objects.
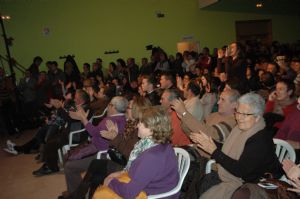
[
  {"x": 111, "y": 132},
  {"x": 293, "y": 173},
  {"x": 80, "y": 114},
  {"x": 272, "y": 96},
  {"x": 56, "y": 103},
  {"x": 220, "y": 53},
  {"x": 227, "y": 51},
  {"x": 178, "y": 106},
  {"x": 179, "y": 83},
  {"x": 203, "y": 141}
]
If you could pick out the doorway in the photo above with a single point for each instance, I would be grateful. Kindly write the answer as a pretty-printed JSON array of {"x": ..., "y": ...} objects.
[{"x": 254, "y": 30}]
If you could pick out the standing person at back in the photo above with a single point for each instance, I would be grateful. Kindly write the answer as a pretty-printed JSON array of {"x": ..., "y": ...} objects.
[
  {"x": 235, "y": 64},
  {"x": 35, "y": 67}
]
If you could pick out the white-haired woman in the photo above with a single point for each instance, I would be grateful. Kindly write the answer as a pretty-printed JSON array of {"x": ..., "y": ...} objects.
[{"x": 246, "y": 155}]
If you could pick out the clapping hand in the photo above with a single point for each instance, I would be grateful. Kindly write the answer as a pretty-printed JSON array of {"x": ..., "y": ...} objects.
[
  {"x": 48, "y": 105},
  {"x": 293, "y": 173},
  {"x": 80, "y": 114},
  {"x": 179, "y": 83},
  {"x": 56, "y": 103},
  {"x": 111, "y": 132},
  {"x": 204, "y": 142}
]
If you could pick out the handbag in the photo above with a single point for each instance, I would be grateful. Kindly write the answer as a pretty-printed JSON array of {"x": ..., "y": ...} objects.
[
  {"x": 117, "y": 156},
  {"x": 105, "y": 192},
  {"x": 281, "y": 192}
]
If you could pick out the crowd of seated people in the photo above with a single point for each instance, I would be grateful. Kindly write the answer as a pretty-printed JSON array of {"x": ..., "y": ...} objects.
[{"x": 228, "y": 106}]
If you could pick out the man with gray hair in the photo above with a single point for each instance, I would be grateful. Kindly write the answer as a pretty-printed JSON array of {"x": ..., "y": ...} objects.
[
  {"x": 179, "y": 138},
  {"x": 218, "y": 125},
  {"x": 115, "y": 115}
]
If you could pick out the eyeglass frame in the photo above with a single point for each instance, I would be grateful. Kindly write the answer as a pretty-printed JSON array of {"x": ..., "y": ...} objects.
[{"x": 244, "y": 115}]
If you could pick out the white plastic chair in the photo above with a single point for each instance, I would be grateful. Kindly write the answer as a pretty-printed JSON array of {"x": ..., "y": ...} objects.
[
  {"x": 283, "y": 151},
  {"x": 209, "y": 165},
  {"x": 102, "y": 152},
  {"x": 67, "y": 147},
  {"x": 64, "y": 150},
  {"x": 183, "y": 167}
]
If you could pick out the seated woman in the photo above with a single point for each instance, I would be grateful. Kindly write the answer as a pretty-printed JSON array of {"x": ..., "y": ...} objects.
[
  {"x": 99, "y": 169},
  {"x": 152, "y": 165},
  {"x": 209, "y": 98},
  {"x": 282, "y": 100},
  {"x": 247, "y": 154}
]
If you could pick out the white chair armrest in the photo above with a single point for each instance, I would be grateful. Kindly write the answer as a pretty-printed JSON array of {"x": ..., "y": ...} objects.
[
  {"x": 208, "y": 166},
  {"x": 102, "y": 152},
  {"x": 72, "y": 133}
]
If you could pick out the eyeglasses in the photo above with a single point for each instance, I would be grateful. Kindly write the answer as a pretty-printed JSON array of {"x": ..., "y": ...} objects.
[{"x": 243, "y": 114}]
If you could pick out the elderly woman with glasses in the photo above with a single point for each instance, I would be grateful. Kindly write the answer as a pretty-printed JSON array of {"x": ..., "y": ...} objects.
[{"x": 246, "y": 155}]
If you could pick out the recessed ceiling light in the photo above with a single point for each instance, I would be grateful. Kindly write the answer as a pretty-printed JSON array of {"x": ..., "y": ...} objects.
[
  {"x": 5, "y": 17},
  {"x": 259, "y": 5}
]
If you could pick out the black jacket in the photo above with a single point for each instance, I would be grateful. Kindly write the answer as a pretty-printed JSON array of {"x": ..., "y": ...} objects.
[{"x": 257, "y": 158}]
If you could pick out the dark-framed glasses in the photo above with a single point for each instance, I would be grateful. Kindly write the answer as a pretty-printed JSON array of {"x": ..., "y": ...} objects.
[{"x": 237, "y": 113}]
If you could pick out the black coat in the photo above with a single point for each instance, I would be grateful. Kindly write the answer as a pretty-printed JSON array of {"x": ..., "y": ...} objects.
[{"x": 257, "y": 158}]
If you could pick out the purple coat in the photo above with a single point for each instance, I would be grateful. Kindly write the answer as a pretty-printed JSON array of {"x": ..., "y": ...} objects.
[
  {"x": 154, "y": 171},
  {"x": 100, "y": 142}
]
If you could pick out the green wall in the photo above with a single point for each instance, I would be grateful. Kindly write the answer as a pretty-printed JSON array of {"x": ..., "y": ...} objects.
[{"x": 87, "y": 28}]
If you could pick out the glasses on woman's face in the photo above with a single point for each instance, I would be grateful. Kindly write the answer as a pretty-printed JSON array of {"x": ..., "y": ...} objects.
[{"x": 243, "y": 115}]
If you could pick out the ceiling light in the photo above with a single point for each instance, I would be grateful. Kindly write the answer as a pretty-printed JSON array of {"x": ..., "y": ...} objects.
[
  {"x": 5, "y": 17},
  {"x": 259, "y": 5}
]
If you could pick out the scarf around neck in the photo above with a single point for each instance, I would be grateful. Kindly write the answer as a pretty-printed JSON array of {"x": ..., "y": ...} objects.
[
  {"x": 141, "y": 146},
  {"x": 233, "y": 147}
]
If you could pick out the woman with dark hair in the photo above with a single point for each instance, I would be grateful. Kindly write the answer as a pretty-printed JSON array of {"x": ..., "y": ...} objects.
[
  {"x": 34, "y": 67},
  {"x": 72, "y": 73},
  {"x": 177, "y": 67},
  {"x": 252, "y": 79},
  {"x": 112, "y": 72},
  {"x": 86, "y": 71},
  {"x": 121, "y": 69},
  {"x": 163, "y": 65},
  {"x": 209, "y": 98},
  {"x": 235, "y": 63},
  {"x": 97, "y": 72}
]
